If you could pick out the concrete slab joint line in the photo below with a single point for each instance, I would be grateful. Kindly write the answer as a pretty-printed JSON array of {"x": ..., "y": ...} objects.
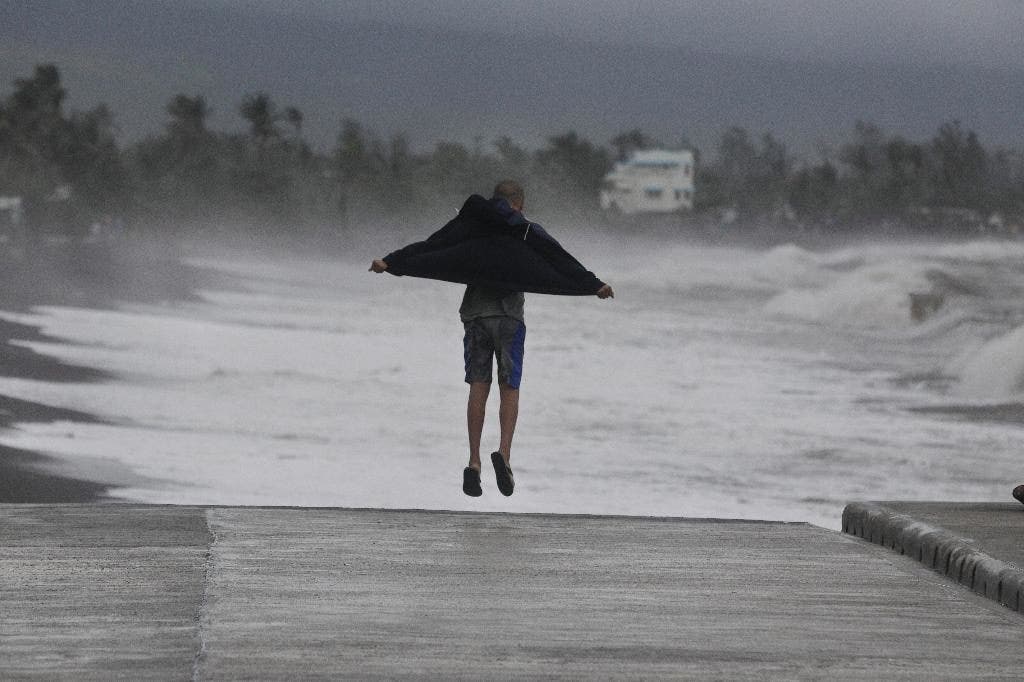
[
  {"x": 938, "y": 549},
  {"x": 202, "y": 613}
]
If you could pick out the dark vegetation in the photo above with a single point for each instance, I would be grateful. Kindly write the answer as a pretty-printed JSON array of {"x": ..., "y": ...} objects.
[{"x": 77, "y": 183}]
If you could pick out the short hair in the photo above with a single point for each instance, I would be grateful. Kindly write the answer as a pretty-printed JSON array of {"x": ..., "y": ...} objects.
[{"x": 509, "y": 190}]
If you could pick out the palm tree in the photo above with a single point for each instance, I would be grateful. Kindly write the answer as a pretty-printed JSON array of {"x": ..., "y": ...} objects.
[
  {"x": 294, "y": 118},
  {"x": 262, "y": 116},
  {"x": 188, "y": 115}
]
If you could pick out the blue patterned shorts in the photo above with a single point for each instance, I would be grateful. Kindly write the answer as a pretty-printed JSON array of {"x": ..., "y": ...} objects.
[{"x": 487, "y": 338}]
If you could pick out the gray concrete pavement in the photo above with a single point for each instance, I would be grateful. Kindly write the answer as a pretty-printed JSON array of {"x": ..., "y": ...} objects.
[
  {"x": 243, "y": 593},
  {"x": 97, "y": 592},
  {"x": 979, "y": 545}
]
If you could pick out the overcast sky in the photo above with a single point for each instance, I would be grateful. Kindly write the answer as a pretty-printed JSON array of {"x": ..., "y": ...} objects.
[
  {"x": 976, "y": 32},
  {"x": 817, "y": 66}
]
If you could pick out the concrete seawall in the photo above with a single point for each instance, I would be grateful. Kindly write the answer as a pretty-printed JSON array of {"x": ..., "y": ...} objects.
[
  {"x": 149, "y": 592},
  {"x": 980, "y": 546}
]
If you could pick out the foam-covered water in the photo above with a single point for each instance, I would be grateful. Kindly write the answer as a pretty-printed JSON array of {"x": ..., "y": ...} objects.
[{"x": 720, "y": 382}]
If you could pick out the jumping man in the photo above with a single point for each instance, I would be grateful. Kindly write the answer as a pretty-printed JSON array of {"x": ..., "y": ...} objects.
[{"x": 492, "y": 307}]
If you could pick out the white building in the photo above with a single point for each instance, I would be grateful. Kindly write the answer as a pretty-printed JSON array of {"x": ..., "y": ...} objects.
[{"x": 650, "y": 181}]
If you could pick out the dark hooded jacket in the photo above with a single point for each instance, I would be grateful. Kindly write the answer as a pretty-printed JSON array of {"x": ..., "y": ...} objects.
[{"x": 491, "y": 244}]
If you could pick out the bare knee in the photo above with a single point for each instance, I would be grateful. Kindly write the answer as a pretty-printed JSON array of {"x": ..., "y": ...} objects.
[
  {"x": 479, "y": 389},
  {"x": 506, "y": 390}
]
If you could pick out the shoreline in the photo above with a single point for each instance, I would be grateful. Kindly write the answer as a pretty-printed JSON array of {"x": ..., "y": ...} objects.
[
  {"x": 24, "y": 480},
  {"x": 96, "y": 276}
]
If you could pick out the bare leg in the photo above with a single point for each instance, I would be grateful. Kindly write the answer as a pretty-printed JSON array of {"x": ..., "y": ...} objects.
[
  {"x": 475, "y": 410},
  {"x": 508, "y": 413}
]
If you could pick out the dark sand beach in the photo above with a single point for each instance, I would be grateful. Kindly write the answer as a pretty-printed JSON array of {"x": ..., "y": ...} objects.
[{"x": 93, "y": 276}]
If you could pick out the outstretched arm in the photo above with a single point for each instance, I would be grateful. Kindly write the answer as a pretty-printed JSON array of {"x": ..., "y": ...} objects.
[
  {"x": 452, "y": 233},
  {"x": 605, "y": 292}
]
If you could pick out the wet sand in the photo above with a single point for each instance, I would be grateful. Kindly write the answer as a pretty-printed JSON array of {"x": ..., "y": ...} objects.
[
  {"x": 23, "y": 479},
  {"x": 93, "y": 276}
]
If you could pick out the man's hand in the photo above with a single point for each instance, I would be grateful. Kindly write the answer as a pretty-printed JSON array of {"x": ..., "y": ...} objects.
[
  {"x": 378, "y": 266},
  {"x": 605, "y": 292}
]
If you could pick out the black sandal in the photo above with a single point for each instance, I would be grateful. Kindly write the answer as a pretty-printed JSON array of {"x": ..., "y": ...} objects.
[
  {"x": 503, "y": 473},
  {"x": 471, "y": 482}
]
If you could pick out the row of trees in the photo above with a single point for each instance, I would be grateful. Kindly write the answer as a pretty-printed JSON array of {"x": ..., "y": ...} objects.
[
  {"x": 43, "y": 149},
  {"x": 269, "y": 175},
  {"x": 872, "y": 177}
]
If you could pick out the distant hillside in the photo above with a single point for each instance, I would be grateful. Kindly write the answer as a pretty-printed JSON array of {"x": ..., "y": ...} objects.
[{"x": 435, "y": 85}]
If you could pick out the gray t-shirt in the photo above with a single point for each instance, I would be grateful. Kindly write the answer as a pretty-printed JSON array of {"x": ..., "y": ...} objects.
[{"x": 480, "y": 301}]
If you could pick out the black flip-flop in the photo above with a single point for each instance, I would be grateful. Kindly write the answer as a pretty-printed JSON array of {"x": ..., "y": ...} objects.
[
  {"x": 503, "y": 474},
  {"x": 471, "y": 482}
]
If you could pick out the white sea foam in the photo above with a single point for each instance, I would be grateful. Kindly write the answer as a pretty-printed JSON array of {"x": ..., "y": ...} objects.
[
  {"x": 872, "y": 296},
  {"x": 788, "y": 266},
  {"x": 321, "y": 384},
  {"x": 992, "y": 371}
]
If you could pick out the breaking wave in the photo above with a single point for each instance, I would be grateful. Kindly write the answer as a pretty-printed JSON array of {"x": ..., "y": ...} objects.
[{"x": 994, "y": 370}]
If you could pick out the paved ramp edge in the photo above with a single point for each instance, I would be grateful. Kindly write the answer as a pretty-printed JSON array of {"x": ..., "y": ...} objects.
[
  {"x": 202, "y": 619},
  {"x": 938, "y": 549}
]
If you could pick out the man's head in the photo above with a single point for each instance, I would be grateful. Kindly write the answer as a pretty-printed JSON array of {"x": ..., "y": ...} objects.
[{"x": 512, "y": 192}]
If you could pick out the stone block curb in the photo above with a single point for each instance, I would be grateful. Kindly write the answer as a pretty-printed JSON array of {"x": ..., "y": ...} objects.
[{"x": 951, "y": 555}]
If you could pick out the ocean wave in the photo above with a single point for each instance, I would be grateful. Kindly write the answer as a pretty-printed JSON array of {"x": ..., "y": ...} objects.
[
  {"x": 872, "y": 296},
  {"x": 992, "y": 370}
]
